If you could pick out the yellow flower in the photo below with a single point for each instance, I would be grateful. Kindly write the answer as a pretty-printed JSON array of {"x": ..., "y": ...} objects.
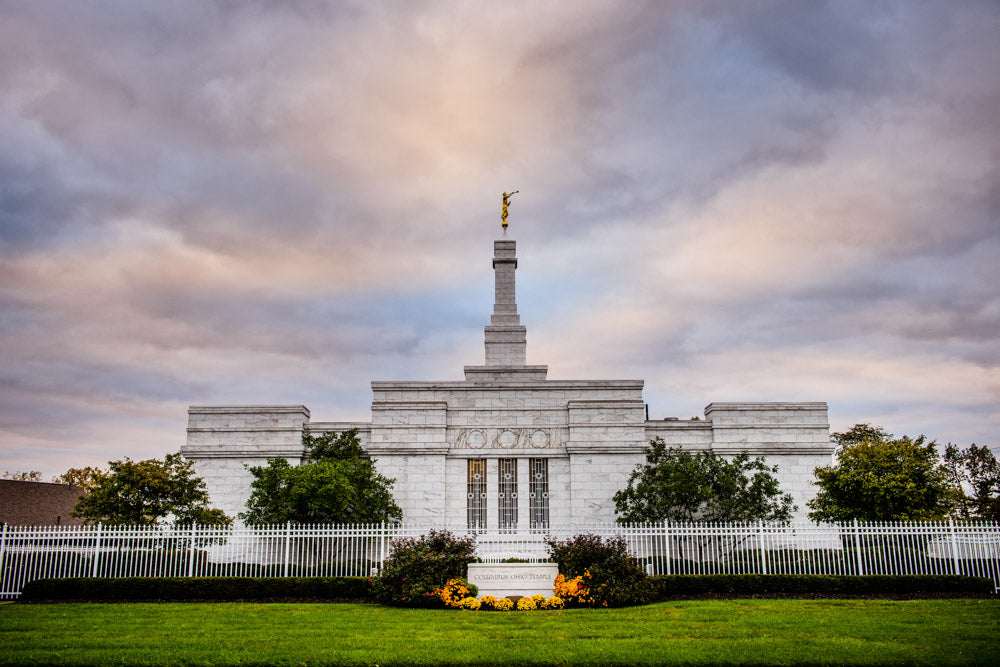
[
  {"x": 504, "y": 604},
  {"x": 573, "y": 590},
  {"x": 526, "y": 604},
  {"x": 454, "y": 592}
]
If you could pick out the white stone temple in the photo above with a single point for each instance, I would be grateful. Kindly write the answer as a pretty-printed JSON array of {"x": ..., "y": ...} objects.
[{"x": 507, "y": 448}]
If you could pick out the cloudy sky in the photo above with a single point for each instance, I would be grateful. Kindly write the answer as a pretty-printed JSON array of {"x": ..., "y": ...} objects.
[{"x": 239, "y": 203}]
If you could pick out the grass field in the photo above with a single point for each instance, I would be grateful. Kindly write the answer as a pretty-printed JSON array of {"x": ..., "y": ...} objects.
[{"x": 849, "y": 632}]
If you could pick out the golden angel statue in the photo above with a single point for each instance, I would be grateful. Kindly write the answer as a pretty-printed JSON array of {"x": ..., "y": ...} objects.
[{"x": 506, "y": 203}]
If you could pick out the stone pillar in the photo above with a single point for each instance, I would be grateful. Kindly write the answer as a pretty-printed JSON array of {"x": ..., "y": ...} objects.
[
  {"x": 506, "y": 339},
  {"x": 492, "y": 495},
  {"x": 523, "y": 495}
]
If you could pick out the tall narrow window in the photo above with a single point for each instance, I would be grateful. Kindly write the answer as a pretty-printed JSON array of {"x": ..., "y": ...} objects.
[
  {"x": 476, "y": 503},
  {"x": 508, "y": 494},
  {"x": 538, "y": 504}
]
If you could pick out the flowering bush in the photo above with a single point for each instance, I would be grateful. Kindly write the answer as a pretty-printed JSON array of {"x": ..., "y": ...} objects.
[
  {"x": 417, "y": 569},
  {"x": 573, "y": 592},
  {"x": 526, "y": 604},
  {"x": 552, "y": 603},
  {"x": 470, "y": 603},
  {"x": 489, "y": 603},
  {"x": 610, "y": 576},
  {"x": 539, "y": 600},
  {"x": 503, "y": 604},
  {"x": 455, "y": 592}
]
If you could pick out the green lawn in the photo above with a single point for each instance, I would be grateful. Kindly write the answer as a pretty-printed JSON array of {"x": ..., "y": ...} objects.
[{"x": 696, "y": 632}]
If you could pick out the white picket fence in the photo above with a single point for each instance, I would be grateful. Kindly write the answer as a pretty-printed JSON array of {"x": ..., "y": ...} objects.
[{"x": 39, "y": 552}]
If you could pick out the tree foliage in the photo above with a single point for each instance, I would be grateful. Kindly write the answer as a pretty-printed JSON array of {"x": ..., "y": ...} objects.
[
  {"x": 148, "y": 492},
  {"x": 82, "y": 478},
  {"x": 22, "y": 476},
  {"x": 336, "y": 483},
  {"x": 860, "y": 433},
  {"x": 878, "y": 477},
  {"x": 677, "y": 485},
  {"x": 975, "y": 476}
]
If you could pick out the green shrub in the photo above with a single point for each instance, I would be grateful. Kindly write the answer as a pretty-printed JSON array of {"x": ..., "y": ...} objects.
[
  {"x": 614, "y": 577},
  {"x": 816, "y": 585},
  {"x": 361, "y": 589},
  {"x": 199, "y": 588},
  {"x": 416, "y": 567}
]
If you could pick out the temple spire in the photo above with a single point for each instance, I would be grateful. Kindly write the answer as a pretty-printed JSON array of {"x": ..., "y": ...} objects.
[{"x": 505, "y": 337}]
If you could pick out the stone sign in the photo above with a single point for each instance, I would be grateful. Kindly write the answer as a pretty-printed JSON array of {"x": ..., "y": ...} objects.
[{"x": 503, "y": 579}]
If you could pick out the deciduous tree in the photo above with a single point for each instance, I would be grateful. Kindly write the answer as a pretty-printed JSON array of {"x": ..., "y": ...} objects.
[
  {"x": 975, "y": 476},
  {"x": 336, "y": 483},
  {"x": 148, "y": 492},
  {"x": 22, "y": 476},
  {"x": 678, "y": 485},
  {"x": 83, "y": 478},
  {"x": 878, "y": 477}
]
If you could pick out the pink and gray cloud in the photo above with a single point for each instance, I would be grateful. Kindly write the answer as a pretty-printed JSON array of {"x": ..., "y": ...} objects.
[{"x": 239, "y": 203}]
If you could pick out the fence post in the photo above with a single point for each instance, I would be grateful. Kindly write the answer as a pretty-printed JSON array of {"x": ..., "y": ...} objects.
[
  {"x": 954, "y": 546},
  {"x": 666, "y": 547},
  {"x": 857, "y": 548},
  {"x": 383, "y": 545},
  {"x": 3, "y": 548},
  {"x": 97, "y": 551},
  {"x": 763, "y": 553},
  {"x": 288, "y": 545},
  {"x": 191, "y": 554}
]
